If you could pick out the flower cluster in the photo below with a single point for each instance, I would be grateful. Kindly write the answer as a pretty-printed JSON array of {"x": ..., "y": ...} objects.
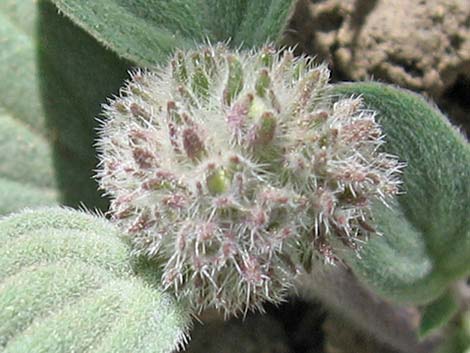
[{"x": 231, "y": 169}]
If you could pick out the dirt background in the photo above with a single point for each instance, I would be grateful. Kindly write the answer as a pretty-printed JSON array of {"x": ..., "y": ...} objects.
[
  {"x": 423, "y": 45},
  {"x": 420, "y": 45}
]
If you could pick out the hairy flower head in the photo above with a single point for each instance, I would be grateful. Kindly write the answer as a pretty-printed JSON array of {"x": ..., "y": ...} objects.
[{"x": 232, "y": 168}]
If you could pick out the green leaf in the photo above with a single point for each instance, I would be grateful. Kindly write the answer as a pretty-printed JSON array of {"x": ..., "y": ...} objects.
[
  {"x": 397, "y": 264},
  {"x": 77, "y": 75},
  {"x": 26, "y": 163},
  {"x": 248, "y": 23},
  {"x": 458, "y": 341},
  {"x": 145, "y": 32},
  {"x": 66, "y": 285},
  {"x": 426, "y": 234},
  {"x": 17, "y": 195},
  {"x": 438, "y": 313}
]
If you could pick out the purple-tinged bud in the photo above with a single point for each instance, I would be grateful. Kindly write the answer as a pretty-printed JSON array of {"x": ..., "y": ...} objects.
[
  {"x": 193, "y": 145},
  {"x": 143, "y": 158},
  {"x": 139, "y": 112}
]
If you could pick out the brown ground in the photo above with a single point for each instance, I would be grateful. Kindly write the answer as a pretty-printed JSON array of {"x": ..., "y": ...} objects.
[{"x": 423, "y": 45}]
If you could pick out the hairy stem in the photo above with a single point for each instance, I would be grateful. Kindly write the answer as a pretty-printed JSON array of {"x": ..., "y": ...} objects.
[
  {"x": 394, "y": 325},
  {"x": 461, "y": 291}
]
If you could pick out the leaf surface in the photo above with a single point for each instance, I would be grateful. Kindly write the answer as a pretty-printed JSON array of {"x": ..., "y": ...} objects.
[
  {"x": 27, "y": 175},
  {"x": 438, "y": 314},
  {"x": 67, "y": 285},
  {"x": 77, "y": 75},
  {"x": 146, "y": 32}
]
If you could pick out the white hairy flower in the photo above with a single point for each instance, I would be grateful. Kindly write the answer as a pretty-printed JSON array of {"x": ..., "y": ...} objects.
[{"x": 231, "y": 169}]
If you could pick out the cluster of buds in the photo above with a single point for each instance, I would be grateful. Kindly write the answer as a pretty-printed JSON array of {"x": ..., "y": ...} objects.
[{"x": 233, "y": 169}]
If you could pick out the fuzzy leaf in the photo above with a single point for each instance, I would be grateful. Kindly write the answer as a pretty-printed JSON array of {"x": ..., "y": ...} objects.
[
  {"x": 145, "y": 32},
  {"x": 426, "y": 242},
  {"x": 458, "y": 341},
  {"x": 437, "y": 314},
  {"x": 77, "y": 75},
  {"x": 66, "y": 285},
  {"x": 26, "y": 163},
  {"x": 248, "y": 23}
]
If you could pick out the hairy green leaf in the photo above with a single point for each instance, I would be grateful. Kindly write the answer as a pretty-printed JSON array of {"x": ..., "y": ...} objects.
[
  {"x": 248, "y": 23},
  {"x": 66, "y": 285},
  {"x": 77, "y": 75},
  {"x": 438, "y": 313},
  {"x": 426, "y": 234},
  {"x": 145, "y": 32},
  {"x": 458, "y": 341},
  {"x": 26, "y": 164}
]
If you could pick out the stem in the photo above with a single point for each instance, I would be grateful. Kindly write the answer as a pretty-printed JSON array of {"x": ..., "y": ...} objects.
[
  {"x": 391, "y": 324},
  {"x": 461, "y": 291}
]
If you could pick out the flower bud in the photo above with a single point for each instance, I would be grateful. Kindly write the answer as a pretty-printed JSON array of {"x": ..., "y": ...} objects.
[{"x": 233, "y": 170}]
